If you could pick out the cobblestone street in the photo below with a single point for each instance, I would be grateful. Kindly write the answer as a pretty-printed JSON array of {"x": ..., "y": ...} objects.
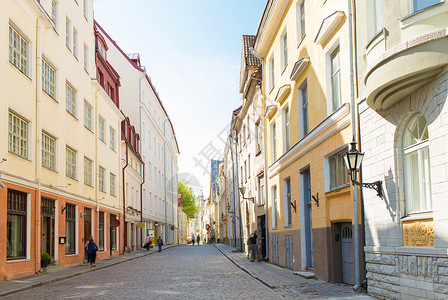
[{"x": 190, "y": 272}]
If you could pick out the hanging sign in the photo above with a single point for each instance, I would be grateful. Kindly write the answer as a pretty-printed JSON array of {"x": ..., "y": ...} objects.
[{"x": 140, "y": 224}]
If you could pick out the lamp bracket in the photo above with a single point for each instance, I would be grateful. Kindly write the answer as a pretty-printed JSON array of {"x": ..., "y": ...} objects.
[
  {"x": 293, "y": 205},
  {"x": 63, "y": 209},
  {"x": 316, "y": 199},
  {"x": 377, "y": 186},
  {"x": 250, "y": 198}
]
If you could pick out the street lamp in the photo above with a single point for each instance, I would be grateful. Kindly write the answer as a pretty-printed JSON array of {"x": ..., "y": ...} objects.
[
  {"x": 242, "y": 191},
  {"x": 353, "y": 160}
]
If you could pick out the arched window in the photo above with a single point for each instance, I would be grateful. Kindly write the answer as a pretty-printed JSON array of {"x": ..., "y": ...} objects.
[{"x": 416, "y": 166}]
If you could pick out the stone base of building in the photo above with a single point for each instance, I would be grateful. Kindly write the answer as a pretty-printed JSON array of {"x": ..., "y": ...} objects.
[{"x": 407, "y": 272}]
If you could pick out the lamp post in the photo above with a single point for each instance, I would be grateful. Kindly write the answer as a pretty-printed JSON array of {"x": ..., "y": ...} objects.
[{"x": 242, "y": 191}]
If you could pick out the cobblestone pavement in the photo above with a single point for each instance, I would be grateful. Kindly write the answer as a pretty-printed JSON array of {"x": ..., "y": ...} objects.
[{"x": 184, "y": 272}]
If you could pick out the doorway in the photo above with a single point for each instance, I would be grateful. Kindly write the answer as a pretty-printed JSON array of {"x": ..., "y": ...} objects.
[
  {"x": 289, "y": 252},
  {"x": 308, "y": 218},
  {"x": 87, "y": 227},
  {"x": 348, "y": 268},
  {"x": 47, "y": 212},
  {"x": 262, "y": 234}
]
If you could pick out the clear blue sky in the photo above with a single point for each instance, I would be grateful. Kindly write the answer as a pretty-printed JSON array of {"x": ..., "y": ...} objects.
[{"x": 192, "y": 52}]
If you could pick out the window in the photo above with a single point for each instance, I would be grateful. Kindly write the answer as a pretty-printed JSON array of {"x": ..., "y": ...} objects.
[
  {"x": 417, "y": 166},
  {"x": 149, "y": 138},
  {"x": 101, "y": 232},
  {"x": 54, "y": 10},
  {"x": 101, "y": 135},
  {"x": 111, "y": 138},
  {"x": 248, "y": 166},
  {"x": 274, "y": 207},
  {"x": 338, "y": 171},
  {"x": 70, "y": 99},
  {"x": 17, "y": 135},
  {"x": 335, "y": 79},
  {"x": 417, "y": 5},
  {"x": 18, "y": 51},
  {"x": 287, "y": 201},
  {"x": 88, "y": 171},
  {"x": 272, "y": 73},
  {"x": 113, "y": 233},
  {"x": 273, "y": 142},
  {"x": 286, "y": 145},
  {"x": 375, "y": 17},
  {"x": 245, "y": 171},
  {"x": 257, "y": 137},
  {"x": 86, "y": 9},
  {"x": 261, "y": 190},
  {"x": 70, "y": 163},
  {"x": 303, "y": 113},
  {"x": 68, "y": 34},
  {"x": 301, "y": 21},
  {"x": 87, "y": 116},
  {"x": 70, "y": 224},
  {"x": 150, "y": 170},
  {"x": 48, "y": 79},
  {"x": 48, "y": 151},
  {"x": 284, "y": 47},
  {"x": 101, "y": 185},
  {"x": 75, "y": 42},
  {"x": 16, "y": 225},
  {"x": 112, "y": 184},
  {"x": 155, "y": 175},
  {"x": 86, "y": 58},
  {"x": 244, "y": 135}
]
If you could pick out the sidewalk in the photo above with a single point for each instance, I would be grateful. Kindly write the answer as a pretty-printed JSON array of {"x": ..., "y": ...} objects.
[
  {"x": 21, "y": 284},
  {"x": 288, "y": 285}
]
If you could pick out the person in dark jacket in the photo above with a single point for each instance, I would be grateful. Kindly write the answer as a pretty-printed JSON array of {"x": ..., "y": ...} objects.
[
  {"x": 92, "y": 248},
  {"x": 159, "y": 243}
]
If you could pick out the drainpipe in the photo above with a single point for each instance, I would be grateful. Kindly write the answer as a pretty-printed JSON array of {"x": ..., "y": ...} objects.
[
  {"x": 125, "y": 233},
  {"x": 353, "y": 120},
  {"x": 37, "y": 148},
  {"x": 141, "y": 201},
  {"x": 234, "y": 195},
  {"x": 239, "y": 203}
]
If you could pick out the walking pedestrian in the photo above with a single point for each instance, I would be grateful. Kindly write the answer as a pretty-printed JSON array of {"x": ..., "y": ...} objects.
[
  {"x": 253, "y": 246},
  {"x": 148, "y": 242},
  {"x": 160, "y": 243},
  {"x": 198, "y": 239},
  {"x": 92, "y": 248},
  {"x": 193, "y": 238}
]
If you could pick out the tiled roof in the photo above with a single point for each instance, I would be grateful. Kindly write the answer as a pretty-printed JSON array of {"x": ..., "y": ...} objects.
[{"x": 248, "y": 42}]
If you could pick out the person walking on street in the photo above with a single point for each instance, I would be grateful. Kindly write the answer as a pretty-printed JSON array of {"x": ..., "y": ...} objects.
[
  {"x": 159, "y": 243},
  {"x": 193, "y": 239},
  {"x": 198, "y": 239},
  {"x": 92, "y": 248},
  {"x": 253, "y": 246},
  {"x": 148, "y": 242}
]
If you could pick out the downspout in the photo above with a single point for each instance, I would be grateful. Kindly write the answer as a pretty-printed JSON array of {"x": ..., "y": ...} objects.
[
  {"x": 233, "y": 183},
  {"x": 164, "y": 180},
  {"x": 353, "y": 127},
  {"x": 37, "y": 148},
  {"x": 141, "y": 197},
  {"x": 125, "y": 231},
  {"x": 225, "y": 207}
]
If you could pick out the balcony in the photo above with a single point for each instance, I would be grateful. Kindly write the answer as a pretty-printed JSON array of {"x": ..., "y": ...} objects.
[{"x": 404, "y": 68}]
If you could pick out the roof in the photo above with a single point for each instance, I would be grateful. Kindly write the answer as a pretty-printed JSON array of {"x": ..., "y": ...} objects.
[{"x": 248, "y": 43}]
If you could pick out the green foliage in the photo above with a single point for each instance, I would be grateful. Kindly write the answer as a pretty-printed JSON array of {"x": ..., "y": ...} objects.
[
  {"x": 45, "y": 255},
  {"x": 188, "y": 201}
]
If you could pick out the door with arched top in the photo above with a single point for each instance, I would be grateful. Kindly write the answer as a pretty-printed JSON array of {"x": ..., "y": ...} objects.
[{"x": 348, "y": 269}]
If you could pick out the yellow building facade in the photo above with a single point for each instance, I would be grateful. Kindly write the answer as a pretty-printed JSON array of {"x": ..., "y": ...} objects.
[{"x": 306, "y": 88}]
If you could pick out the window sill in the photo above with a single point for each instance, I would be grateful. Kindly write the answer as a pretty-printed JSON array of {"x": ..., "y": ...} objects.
[
  {"x": 89, "y": 129},
  {"x": 284, "y": 69},
  {"x": 19, "y": 156},
  {"x": 20, "y": 71},
  {"x": 72, "y": 178},
  {"x": 71, "y": 255},
  {"x": 258, "y": 153},
  {"x": 301, "y": 40},
  {"x": 288, "y": 226},
  {"x": 421, "y": 215},
  {"x": 274, "y": 228},
  {"x": 54, "y": 99},
  {"x": 260, "y": 205},
  {"x": 49, "y": 169},
  {"x": 16, "y": 260},
  {"x": 72, "y": 115}
]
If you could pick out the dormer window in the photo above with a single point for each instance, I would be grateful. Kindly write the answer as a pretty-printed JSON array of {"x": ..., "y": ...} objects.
[{"x": 101, "y": 50}]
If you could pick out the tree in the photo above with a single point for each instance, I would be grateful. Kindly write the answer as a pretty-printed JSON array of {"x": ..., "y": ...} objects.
[{"x": 188, "y": 200}]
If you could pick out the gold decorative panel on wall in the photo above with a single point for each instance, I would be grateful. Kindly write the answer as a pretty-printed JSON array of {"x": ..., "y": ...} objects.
[{"x": 418, "y": 233}]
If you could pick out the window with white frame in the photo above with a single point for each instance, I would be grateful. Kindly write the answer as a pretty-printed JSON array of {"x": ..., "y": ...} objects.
[
  {"x": 303, "y": 109},
  {"x": 261, "y": 190},
  {"x": 416, "y": 5},
  {"x": 284, "y": 47},
  {"x": 18, "y": 50},
  {"x": 86, "y": 9},
  {"x": 48, "y": 79},
  {"x": 17, "y": 135},
  {"x": 70, "y": 99},
  {"x": 88, "y": 116},
  {"x": 273, "y": 142},
  {"x": 101, "y": 134},
  {"x": 101, "y": 185},
  {"x": 287, "y": 201},
  {"x": 68, "y": 34},
  {"x": 257, "y": 138},
  {"x": 16, "y": 224},
  {"x": 101, "y": 231},
  {"x": 88, "y": 165},
  {"x": 70, "y": 228},
  {"x": 48, "y": 151},
  {"x": 335, "y": 79},
  {"x": 75, "y": 42},
  {"x": 111, "y": 138},
  {"x": 338, "y": 171},
  {"x": 248, "y": 166},
  {"x": 245, "y": 171},
  {"x": 300, "y": 20},
  {"x": 54, "y": 11},
  {"x": 286, "y": 145},
  {"x": 375, "y": 17},
  {"x": 417, "y": 173},
  {"x": 70, "y": 162},
  {"x": 86, "y": 58},
  {"x": 271, "y": 73},
  {"x": 274, "y": 207},
  {"x": 112, "y": 184},
  {"x": 149, "y": 170}
]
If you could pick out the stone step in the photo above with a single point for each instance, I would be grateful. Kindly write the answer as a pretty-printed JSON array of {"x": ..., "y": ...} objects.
[{"x": 307, "y": 275}]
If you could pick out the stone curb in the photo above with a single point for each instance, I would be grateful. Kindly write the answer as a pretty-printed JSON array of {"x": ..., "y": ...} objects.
[
  {"x": 79, "y": 273},
  {"x": 246, "y": 270}
]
